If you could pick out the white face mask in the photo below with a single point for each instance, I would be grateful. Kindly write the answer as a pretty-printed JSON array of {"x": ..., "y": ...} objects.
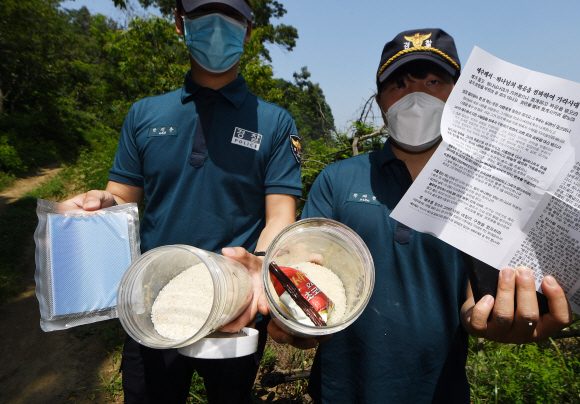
[{"x": 415, "y": 121}]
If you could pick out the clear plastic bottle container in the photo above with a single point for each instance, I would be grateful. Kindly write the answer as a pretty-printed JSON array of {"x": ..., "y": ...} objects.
[
  {"x": 147, "y": 275},
  {"x": 336, "y": 247}
]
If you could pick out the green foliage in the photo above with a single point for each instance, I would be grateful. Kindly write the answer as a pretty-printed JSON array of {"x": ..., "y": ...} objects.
[
  {"x": 92, "y": 168},
  {"x": 197, "y": 394},
  {"x": 147, "y": 59},
  {"x": 32, "y": 37},
  {"x": 319, "y": 153},
  {"x": 41, "y": 118},
  {"x": 283, "y": 35},
  {"x": 6, "y": 179},
  {"x": 113, "y": 336},
  {"x": 112, "y": 385},
  {"x": 68, "y": 78},
  {"x": 532, "y": 373},
  {"x": 257, "y": 73},
  {"x": 56, "y": 188},
  {"x": 268, "y": 357},
  {"x": 305, "y": 101},
  {"x": 29, "y": 141},
  {"x": 165, "y": 6},
  {"x": 9, "y": 160}
]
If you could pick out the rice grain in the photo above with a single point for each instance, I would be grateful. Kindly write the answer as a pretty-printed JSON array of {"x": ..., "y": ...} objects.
[{"x": 183, "y": 305}]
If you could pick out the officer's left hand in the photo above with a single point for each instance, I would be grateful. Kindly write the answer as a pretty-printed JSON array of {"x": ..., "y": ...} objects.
[
  {"x": 522, "y": 324},
  {"x": 258, "y": 303}
]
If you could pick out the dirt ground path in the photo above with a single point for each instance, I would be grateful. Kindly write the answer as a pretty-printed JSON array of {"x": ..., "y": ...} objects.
[
  {"x": 30, "y": 182},
  {"x": 39, "y": 367}
]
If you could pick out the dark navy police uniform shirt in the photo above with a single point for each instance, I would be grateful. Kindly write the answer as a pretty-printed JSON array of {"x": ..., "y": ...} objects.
[
  {"x": 408, "y": 346},
  {"x": 221, "y": 203}
]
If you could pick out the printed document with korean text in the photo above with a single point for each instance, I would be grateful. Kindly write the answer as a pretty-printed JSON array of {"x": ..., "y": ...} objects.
[{"x": 504, "y": 184}]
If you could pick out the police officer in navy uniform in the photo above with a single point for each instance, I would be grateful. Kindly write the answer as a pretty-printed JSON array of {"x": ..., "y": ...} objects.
[
  {"x": 219, "y": 167},
  {"x": 410, "y": 343}
]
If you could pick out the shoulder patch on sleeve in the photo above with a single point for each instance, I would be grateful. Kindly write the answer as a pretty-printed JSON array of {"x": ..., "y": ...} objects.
[{"x": 295, "y": 147}]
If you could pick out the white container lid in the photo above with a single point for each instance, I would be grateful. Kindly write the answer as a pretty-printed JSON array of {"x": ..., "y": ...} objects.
[{"x": 223, "y": 345}]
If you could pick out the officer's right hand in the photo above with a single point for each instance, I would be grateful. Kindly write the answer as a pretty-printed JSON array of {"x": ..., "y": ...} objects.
[
  {"x": 282, "y": 337},
  {"x": 92, "y": 200}
]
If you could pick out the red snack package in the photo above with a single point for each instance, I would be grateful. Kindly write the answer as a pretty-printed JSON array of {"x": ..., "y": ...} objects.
[{"x": 313, "y": 295}]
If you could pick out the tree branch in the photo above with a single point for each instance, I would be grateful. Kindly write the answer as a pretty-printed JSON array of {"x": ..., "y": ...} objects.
[
  {"x": 355, "y": 146},
  {"x": 332, "y": 127},
  {"x": 275, "y": 378},
  {"x": 360, "y": 119},
  {"x": 315, "y": 161},
  {"x": 376, "y": 133},
  {"x": 369, "y": 110}
]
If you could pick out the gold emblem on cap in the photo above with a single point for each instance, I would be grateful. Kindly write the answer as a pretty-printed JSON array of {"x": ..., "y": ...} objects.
[{"x": 417, "y": 39}]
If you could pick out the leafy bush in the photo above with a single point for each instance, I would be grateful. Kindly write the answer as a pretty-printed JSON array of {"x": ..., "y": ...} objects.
[
  {"x": 532, "y": 373},
  {"x": 6, "y": 180},
  {"x": 9, "y": 160}
]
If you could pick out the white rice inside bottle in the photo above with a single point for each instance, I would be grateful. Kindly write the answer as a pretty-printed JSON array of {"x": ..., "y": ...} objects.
[
  {"x": 183, "y": 305},
  {"x": 328, "y": 282}
]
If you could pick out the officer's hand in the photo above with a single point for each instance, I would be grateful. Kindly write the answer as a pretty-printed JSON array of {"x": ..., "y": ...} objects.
[
  {"x": 522, "y": 324},
  {"x": 282, "y": 337},
  {"x": 258, "y": 302},
  {"x": 92, "y": 200}
]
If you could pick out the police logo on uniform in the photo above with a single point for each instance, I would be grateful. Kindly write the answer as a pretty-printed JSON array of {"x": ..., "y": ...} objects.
[
  {"x": 295, "y": 147},
  {"x": 243, "y": 137}
]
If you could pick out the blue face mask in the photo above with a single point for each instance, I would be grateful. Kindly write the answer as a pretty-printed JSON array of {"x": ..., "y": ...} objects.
[{"x": 215, "y": 41}]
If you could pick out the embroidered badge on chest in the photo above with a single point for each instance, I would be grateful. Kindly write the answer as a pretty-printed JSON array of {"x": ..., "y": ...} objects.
[
  {"x": 363, "y": 197},
  {"x": 169, "y": 130},
  {"x": 295, "y": 147},
  {"x": 247, "y": 139}
]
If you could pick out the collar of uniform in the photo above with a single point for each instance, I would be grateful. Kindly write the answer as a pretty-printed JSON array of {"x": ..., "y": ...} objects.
[
  {"x": 386, "y": 156},
  {"x": 235, "y": 92}
]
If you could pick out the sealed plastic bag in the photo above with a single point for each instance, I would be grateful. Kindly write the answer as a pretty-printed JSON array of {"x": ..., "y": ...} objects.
[{"x": 80, "y": 260}]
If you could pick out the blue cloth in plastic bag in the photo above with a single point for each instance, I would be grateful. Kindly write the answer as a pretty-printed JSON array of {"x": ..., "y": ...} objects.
[{"x": 88, "y": 257}]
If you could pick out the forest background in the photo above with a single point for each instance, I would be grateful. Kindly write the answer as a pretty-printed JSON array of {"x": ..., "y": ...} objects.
[{"x": 67, "y": 80}]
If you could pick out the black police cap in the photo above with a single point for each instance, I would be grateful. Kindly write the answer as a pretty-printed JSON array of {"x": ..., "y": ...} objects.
[
  {"x": 433, "y": 44},
  {"x": 240, "y": 5}
]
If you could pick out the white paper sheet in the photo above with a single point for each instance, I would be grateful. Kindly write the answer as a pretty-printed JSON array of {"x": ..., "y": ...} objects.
[{"x": 503, "y": 186}]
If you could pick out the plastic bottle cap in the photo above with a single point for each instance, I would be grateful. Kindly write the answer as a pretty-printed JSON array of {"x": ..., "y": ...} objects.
[{"x": 223, "y": 345}]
